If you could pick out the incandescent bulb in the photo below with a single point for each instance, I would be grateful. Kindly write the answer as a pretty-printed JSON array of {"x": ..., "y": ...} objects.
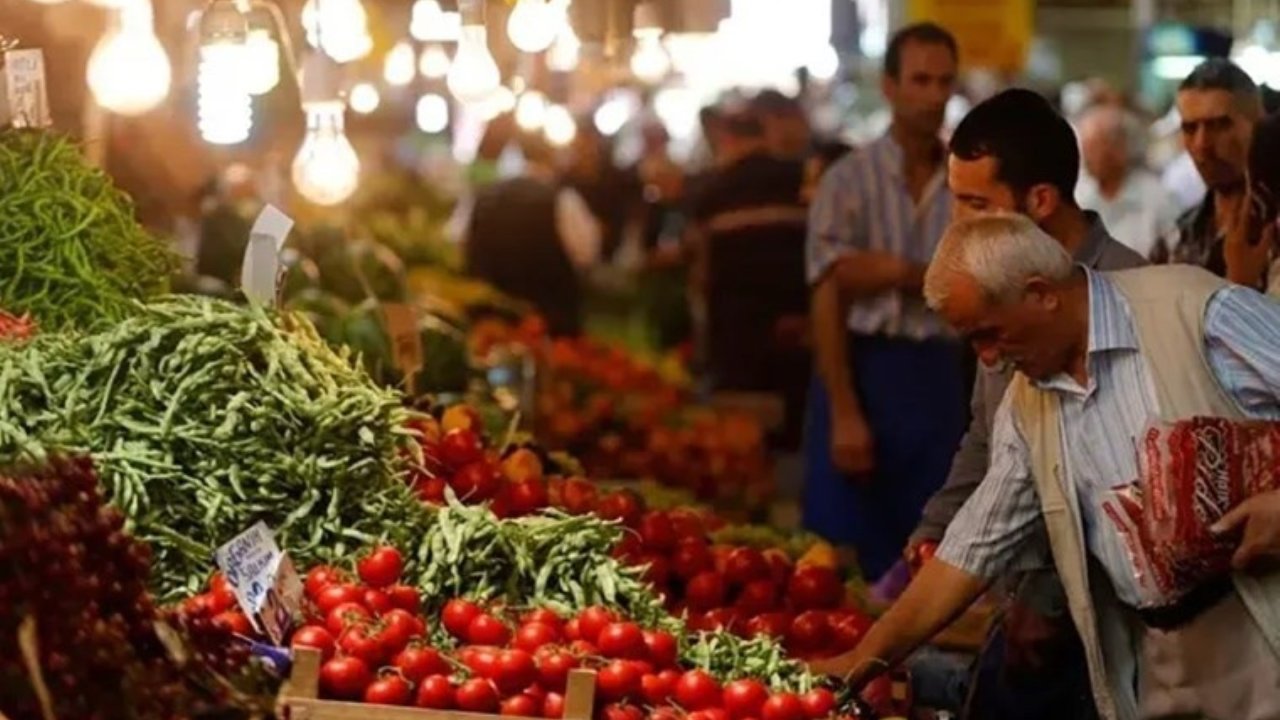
[
  {"x": 432, "y": 113},
  {"x": 531, "y": 110},
  {"x": 823, "y": 63},
  {"x": 533, "y": 25},
  {"x": 612, "y": 115},
  {"x": 559, "y": 126},
  {"x": 400, "y": 65},
  {"x": 364, "y": 98},
  {"x": 435, "y": 62},
  {"x": 474, "y": 75},
  {"x": 431, "y": 23},
  {"x": 222, "y": 103},
  {"x": 650, "y": 62},
  {"x": 326, "y": 170},
  {"x": 262, "y": 55},
  {"x": 129, "y": 72},
  {"x": 501, "y": 101},
  {"x": 563, "y": 55},
  {"x": 338, "y": 27}
]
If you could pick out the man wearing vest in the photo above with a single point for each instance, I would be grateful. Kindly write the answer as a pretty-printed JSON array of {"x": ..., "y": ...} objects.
[{"x": 1099, "y": 357}]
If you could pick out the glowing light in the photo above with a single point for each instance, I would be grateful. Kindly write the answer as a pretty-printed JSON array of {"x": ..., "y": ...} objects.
[
  {"x": 129, "y": 72},
  {"x": 222, "y": 103},
  {"x": 430, "y": 23},
  {"x": 262, "y": 63},
  {"x": 612, "y": 115},
  {"x": 824, "y": 64},
  {"x": 559, "y": 126},
  {"x": 326, "y": 170},
  {"x": 339, "y": 27},
  {"x": 533, "y": 25},
  {"x": 435, "y": 62},
  {"x": 474, "y": 75},
  {"x": 650, "y": 62},
  {"x": 364, "y": 98},
  {"x": 400, "y": 66},
  {"x": 563, "y": 55},
  {"x": 432, "y": 113},
  {"x": 531, "y": 110}
]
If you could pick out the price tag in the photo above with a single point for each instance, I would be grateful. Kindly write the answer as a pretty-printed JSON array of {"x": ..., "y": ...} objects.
[
  {"x": 406, "y": 341},
  {"x": 264, "y": 579},
  {"x": 25, "y": 93},
  {"x": 261, "y": 271}
]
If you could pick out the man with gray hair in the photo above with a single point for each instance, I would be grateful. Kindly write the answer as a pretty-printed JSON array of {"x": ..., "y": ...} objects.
[
  {"x": 1132, "y": 202},
  {"x": 1099, "y": 357}
]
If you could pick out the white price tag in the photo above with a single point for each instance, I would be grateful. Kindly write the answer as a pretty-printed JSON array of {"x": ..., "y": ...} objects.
[
  {"x": 260, "y": 272},
  {"x": 264, "y": 580},
  {"x": 26, "y": 96}
]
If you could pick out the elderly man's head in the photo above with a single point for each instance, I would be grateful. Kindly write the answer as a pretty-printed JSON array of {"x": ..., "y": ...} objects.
[
  {"x": 1010, "y": 289},
  {"x": 1110, "y": 139}
]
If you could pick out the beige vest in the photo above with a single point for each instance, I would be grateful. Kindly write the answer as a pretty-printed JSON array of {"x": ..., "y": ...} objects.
[{"x": 1167, "y": 304}]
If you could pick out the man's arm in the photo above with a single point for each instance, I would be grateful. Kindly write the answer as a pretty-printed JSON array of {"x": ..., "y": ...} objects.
[
  {"x": 872, "y": 272},
  {"x": 579, "y": 230}
]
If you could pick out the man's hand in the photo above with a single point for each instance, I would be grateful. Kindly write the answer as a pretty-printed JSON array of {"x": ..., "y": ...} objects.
[
  {"x": 1259, "y": 516},
  {"x": 919, "y": 550},
  {"x": 852, "y": 447},
  {"x": 1247, "y": 248}
]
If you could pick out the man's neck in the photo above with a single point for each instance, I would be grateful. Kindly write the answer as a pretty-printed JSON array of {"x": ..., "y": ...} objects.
[
  {"x": 1227, "y": 203},
  {"x": 1070, "y": 227},
  {"x": 919, "y": 152},
  {"x": 1109, "y": 188},
  {"x": 1077, "y": 324}
]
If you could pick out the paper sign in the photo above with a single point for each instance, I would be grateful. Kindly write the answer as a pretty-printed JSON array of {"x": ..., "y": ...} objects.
[
  {"x": 260, "y": 273},
  {"x": 25, "y": 93},
  {"x": 406, "y": 342},
  {"x": 264, "y": 580}
]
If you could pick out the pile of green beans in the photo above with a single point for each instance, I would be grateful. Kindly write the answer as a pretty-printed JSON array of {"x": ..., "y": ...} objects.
[{"x": 71, "y": 252}]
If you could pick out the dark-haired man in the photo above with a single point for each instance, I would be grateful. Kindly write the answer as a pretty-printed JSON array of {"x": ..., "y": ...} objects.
[{"x": 890, "y": 405}]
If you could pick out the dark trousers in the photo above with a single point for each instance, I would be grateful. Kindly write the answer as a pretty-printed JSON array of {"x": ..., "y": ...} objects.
[{"x": 1057, "y": 690}]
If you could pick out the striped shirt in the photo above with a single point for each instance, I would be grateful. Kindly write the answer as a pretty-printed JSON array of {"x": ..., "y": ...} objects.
[
  {"x": 1100, "y": 427},
  {"x": 864, "y": 204}
]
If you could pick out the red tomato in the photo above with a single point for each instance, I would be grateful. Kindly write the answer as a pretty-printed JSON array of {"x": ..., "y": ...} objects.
[
  {"x": 745, "y": 698},
  {"x": 783, "y": 706},
  {"x": 745, "y": 565},
  {"x": 656, "y": 690},
  {"x": 388, "y": 690},
  {"x": 720, "y": 557},
  {"x": 405, "y": 597},
  {"x": 622, "y": 640},
  {"x": 234, "y": 621},
  {"x": 554, "y": 667},
  {"x": 482, "y": 661},
  {"x": 457, "y": 616},
  {"x": 477, "y": 481},
  {"x": 360, "y": 641},
  {"x": 345, "y": 678},
  {"x": 718, "y": 619},
  {"x": 814, "y": 588},
  {"x": 697, "y": 690},
  {"x": 218, "y": 581},
  {"x": 222, "y": 599},
  {"x": 621, "y": 711},
  {"x": 488, "y": 630},
  {"x": 430, "y": 490},
  {"x": 687, "y": 523},
  {"x": 553, "y": 706},
  {"x": 315, "y": 637},
  {"x": 623, "y": 506},
  {"x": 656, "y": 532},
  {"x": 579, "y": 496},
  {"x": 780, "y": 566},
  {"x": 406, "y": 623},
  {"x": 532, "y": 636},
  {"x": 381, "y": 568},
  {"x": 336, "y": 594},
  {"x": 629, "y": 549},
  {"x": 666, "y": 713},
  {"x": 516, "y": 670},
  {"x": 774, "y": 624},
  {"x": 417, "y": 663},
  {"x": 572, "y": 630},
  {"x": 879, "y": 695},
  {"x": 528, "y": 496},
  {"x": 544, "y": 616},
  {"x": 705, "y": 591},
  {"x": 661, "y": 648},
  {"x": 848, "y": 631},
  {"x": 436, "y": 693},
  {"x": 758, "y": 596},
  {"x": 377, "y": 601},
  {"x": 477, "y": 695},
  {"x": 657, "y": 571},
  {"x": 618, "y": 680},
  {"x": 818, "y": 703},
  {"x": 810, "y": 632},
  {"x": 198, "y": 606},
  {"x": 691, "y": 558},
  {"x": 344, "y": 615},
  {"x": 592, "y": 621},
  {"x": 582, "y": 648},
  {"x": 460, "y": 446},
  {"x": 520, "y": 706}
]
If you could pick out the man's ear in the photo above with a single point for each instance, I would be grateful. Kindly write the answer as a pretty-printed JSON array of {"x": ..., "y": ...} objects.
[
  {"x": 1042, "y": 201},
  {"x": 1041, "y": 292}
]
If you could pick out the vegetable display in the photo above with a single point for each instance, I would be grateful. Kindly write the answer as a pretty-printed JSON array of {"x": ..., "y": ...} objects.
[{"x": 71, "y": 253}]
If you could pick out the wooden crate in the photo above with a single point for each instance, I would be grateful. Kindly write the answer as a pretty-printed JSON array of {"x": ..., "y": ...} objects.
[{"x": 300, "y": 698}]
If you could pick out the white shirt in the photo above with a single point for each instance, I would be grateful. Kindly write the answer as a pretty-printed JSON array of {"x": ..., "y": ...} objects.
[{"x": 1139, "y": 215}]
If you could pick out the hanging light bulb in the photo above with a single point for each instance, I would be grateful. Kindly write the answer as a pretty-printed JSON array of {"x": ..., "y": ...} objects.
[
  {"x": 432, "y": 113},
  {"x": 501, "y": 101},
  {"x": 262, "y": 61},
  {"x": 326, "y": 170},
  {"x": 559, "y": 126},
  {"x": 650, "y": 62},
  {"x": 223, "y": 105},
  {"x": 474, "y": 75},
  {"x": 430, "y": 23},
  {"x": 563, "y": 55},
  {"x": 533, "y": 25},
  {"x": 129, "y": 72},
  {"x": 400, "y": 66},
  {"x": 824, "y": 63},
  {"x": 364, "y": 98},
  {"x": 435, "y": 62},
  {"x": 531, "y": 110},
  {"x": 338, "y": 27}
]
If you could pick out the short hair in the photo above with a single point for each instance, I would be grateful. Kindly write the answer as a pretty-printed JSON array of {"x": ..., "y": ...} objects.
[
  {"x": 771, "y": 102},
  {"x": 926, "y": 33},
  {"x": 1222, "y": 74},
  {"x": 1119, "y": 124},
  {"x": 1000, "y": 252},
  {"x": 1031, "y": 143}
]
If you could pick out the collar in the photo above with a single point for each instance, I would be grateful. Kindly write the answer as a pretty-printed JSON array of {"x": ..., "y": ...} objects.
[
  {"x": 895, "y": 158},
  {"x": 1096, "y": 240},
  {"x": 1110, "y": 326}
]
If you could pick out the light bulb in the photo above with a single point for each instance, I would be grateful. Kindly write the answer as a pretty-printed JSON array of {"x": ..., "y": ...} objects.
[
  {"x": 48, "y": 2},
  {"x": 129, "y": 72},
  {"x": 364, "y": 98},
  {"x": 262, "y": 58},
  {"x": 435, "y": 62},
  {"x": 223, "y": 105},
  {"x": 400, "y": 66},
  {"x": 501, "y": 101},
  {"x": 474, "y": 75},
  {"x": 824, "y": 63},
  {"x": 563, "y": 55},
  {"x": 531, "y": 110},
  {"x": 612, "y": 115},
  {"x": 559, "y": 126},
  {"x": 650, "y": 62},
  {"x": 326, "y": 170},
  {"x": 432, "y": 113},
  {"x": 432, "y": 24},
  {"x": 533, "y": 25},
  {"x": 338, "y": 27}
]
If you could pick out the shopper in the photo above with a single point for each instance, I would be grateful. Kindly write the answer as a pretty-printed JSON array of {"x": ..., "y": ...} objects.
[
  {"x": 1099, "y": 356},
  {"x": 886, "y": 417},
  {"x": 612, "y": 195},
  {"x": 531, "y": 239},
  {"x": 1251, "y": 249}
]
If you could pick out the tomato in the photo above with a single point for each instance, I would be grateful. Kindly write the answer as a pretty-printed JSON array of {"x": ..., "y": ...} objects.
[
  {"x": 486, "y": 629},
  {"x": 705, "y": 591},
  {"x": 457, "y": 616},
  {"x": 618, "y": 680},
  {"x": 810, "y": 632},
  {"x": 361, "y": 641},
  {"x": 878, "y": 693},
  {"x": 621, "y": 711},
  {"x": 409, "y": 625},
  {"x": 780, "y": 566},
  {"x": 656, "y": 690},
  {"x": 336, "y": 594},
  {"x": 657, "y": 570},
  {"x": 377, "y": 601},
  {"x": 745, "y": 698},
  {"x": 198, "y": 606},
  {"x": 665, "y": 713},
  {"x": 516, "y": 670},
  {"x": 774, "y": 624},
  {"x": 579, "y": 496},
  {"x": 388, "y": 690},
  {"x": 690, "y": 558},
  {"x": 316, "y": 637},
  {"x": 709, "y": 714},
  {"x": 430, "y": 490},
  {"x": 528, "y": 496},
  {"x": 814, "y": 588},
  {"x": 592, "y": 621},
  {"x": 629, "y": 549},
  {"x": 532, "y": 636},
  {"x": 757, "y": 596},
  {"x": 234, "y": 621},
  {"x": 477, "y": 481},
  {"x": 405, "y": 597},
  {"x": 482, "y": 661},
  {"x": 544, "y": 616},
  {"x": 345, "y": 677},
  {"x": 818, "y": 703},
  {"x": 687, "y": 523},
  {"x": 720, "y": 557},
  {"x": 553, "y": 706},
  {"x": 622, "y": 640},
  {"x": 783, "y": 706},
  {"x": 572, "y": 630},
  {"x": 745, "y": 565},
  {"x": 656, "y": 532},
  {"x": 416, "y": 663},
  {"x": 477, "y": 695},
  {"x": 222, "y": 599},
  {"x": 341, "y": 617},
  {"x": 719, "y": 619},
  {"x": 520, "y": 706},
  {"x": 582, "y": 648},
  {"x": 381, "y": 568},
  {"x": 697, "y": 690},
  {"x": 624, "y": 506},
  {"x": 435, "y": 692},
  {"x": 661, "y": 648},
  {"x": 460, "y": 446},
  {"x": 554, "y": 667}
]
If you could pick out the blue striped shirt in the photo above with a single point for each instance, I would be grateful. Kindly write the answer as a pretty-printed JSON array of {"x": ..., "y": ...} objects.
[
  {"x": 864, "y": 204},
  {"x": 1101, "y": 424}
]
